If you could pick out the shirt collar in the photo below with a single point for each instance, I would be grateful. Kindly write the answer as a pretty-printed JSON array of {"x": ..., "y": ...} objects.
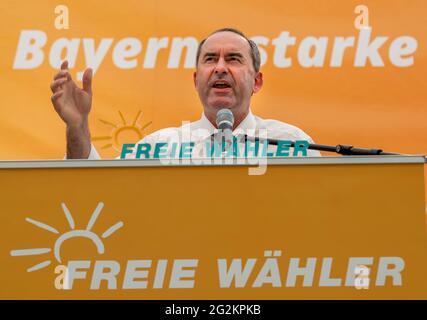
[{"x": 247, "y": 123}]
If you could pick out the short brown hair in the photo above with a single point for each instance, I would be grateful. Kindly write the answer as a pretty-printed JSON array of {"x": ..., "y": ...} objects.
[{"x": 256, "y": 58}]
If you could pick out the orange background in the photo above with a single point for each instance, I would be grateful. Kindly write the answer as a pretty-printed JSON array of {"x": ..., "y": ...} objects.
[{"x": 381, "y": 107}]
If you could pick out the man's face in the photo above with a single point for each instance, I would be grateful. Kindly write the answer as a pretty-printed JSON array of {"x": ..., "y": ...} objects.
[{"x": 225, "y": 76}]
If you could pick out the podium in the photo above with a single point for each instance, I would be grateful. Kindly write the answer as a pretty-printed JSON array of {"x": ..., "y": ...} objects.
[{"x": 309, "y": 228}]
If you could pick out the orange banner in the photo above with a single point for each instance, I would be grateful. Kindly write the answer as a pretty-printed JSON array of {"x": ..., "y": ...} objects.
[{"x": 343, "y": 73}]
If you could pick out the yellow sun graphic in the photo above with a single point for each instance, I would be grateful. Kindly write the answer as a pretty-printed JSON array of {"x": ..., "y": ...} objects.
[
  {"x": 72, "y": 233},
  {"x": 123, "y": 132}
]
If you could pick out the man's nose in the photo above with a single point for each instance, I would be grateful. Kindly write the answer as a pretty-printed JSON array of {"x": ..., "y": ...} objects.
[{"x": 221, "y": 66}]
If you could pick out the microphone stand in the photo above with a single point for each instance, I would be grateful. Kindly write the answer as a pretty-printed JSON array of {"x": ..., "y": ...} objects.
[{"x": 346, "y": 150}]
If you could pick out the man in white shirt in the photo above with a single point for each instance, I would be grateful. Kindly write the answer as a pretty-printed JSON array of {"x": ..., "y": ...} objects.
[{"x": 227, "y": 75}]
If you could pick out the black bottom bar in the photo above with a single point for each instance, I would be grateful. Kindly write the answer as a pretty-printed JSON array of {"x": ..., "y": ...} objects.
[{"x": 211, "y": 309}]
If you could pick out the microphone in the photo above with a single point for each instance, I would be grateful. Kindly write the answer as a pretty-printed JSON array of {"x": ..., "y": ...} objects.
[
  {"x": 225, "y": 122},
  {"x": 225, "y": 119}
]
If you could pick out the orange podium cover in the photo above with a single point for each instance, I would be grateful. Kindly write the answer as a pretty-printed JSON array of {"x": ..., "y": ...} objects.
[{"x": 309, "y": 228}]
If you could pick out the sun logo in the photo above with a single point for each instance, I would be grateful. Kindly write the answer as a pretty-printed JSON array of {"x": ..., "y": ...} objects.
[
  {"x": 123, "y": 132},
  {"x": 73, "y": 233}
]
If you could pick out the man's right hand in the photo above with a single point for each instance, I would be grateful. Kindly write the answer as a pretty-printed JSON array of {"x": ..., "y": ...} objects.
[{"x": 73, "y": 105}]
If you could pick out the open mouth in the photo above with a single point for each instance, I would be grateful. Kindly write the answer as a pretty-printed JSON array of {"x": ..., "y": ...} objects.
[{"x": 221, "y": 85}]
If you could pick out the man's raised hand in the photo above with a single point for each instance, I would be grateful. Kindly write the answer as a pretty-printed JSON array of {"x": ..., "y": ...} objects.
[{"x": 73, "y": 105}]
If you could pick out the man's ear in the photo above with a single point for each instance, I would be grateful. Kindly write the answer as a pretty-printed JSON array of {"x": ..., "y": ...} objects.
[
  {"x": 194, "y": 78},
  {"x": 258, "y": 82}
]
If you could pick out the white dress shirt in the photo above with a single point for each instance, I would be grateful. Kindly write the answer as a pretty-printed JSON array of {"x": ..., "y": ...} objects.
[{"x": 200, "y": 130}]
